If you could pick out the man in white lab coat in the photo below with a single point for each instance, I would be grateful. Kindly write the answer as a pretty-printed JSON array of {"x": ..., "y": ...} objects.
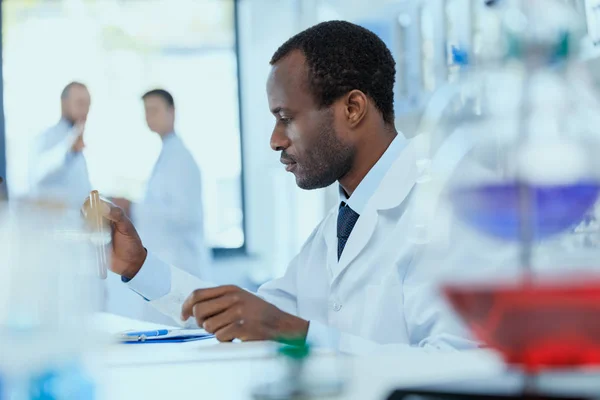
[
  {"x": 58, "y": 169},
  {"x": 170, "y": 218},
  {"x": 357, "y": 283}
]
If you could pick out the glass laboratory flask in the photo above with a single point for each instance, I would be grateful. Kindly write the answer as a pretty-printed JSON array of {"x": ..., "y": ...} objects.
[
  {"x": 48, "y": 291},
  {"x": 512, "y": 146},
  {"x": 510, "y": 154}
]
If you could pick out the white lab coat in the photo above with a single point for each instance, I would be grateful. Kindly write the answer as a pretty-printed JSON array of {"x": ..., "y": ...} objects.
[
  {"x": 55, "y": 171},
  {"x": 170, "y": 218},
  {"x": 382, "y": 292}
]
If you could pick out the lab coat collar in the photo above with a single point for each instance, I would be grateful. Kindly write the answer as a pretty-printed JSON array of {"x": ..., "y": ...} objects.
[
  {"x": 168, "y": 137},
  {"x": 391, "y": 193},
  {"x": 400, "y": 179},
  {"x": 365, "y": 189}
]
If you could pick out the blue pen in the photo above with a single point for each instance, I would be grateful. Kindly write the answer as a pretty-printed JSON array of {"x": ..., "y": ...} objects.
[
  {"x": 159, "y": 332},
  {"x": 164, "y": 335}
]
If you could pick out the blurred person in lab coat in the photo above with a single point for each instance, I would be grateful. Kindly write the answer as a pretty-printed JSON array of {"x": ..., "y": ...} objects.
[
  {"x": 58, "y": 169},
  {"x": 357, "y": 284},
  {"x": 170, "y": 217}
]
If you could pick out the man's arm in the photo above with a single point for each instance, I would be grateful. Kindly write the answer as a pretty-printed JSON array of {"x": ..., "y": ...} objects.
[
  {"x": 234, "y": 313},
  {"x": 228, "y": 311},
  {"x": 167, "y": 287}
]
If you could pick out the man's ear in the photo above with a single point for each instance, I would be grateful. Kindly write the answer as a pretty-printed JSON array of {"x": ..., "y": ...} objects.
[{"x": 356, "y": 105}]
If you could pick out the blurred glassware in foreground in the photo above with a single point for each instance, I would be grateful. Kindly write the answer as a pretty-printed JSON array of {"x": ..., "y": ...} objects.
[
  {"x": 513, "y": 142},
  {"x": 512, "y": 152},
  {"x": 48, "y": 290},
  {"x": 297, "y": 375},
  {"x": 100, "y": 234}
]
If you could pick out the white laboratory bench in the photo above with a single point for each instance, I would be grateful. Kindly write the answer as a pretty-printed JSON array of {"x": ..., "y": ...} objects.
[{"x": 211, "y": 370}]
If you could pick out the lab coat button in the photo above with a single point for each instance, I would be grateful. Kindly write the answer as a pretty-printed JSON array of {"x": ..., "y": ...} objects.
[{"x": 337, "y": 306}]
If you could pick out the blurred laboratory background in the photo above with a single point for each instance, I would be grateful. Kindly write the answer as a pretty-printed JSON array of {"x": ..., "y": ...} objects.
[
  {"x": 215, "y": 200},
  {"x": 212, "y": 56}
]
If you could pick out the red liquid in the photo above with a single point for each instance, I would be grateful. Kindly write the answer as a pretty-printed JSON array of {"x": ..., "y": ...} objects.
[{"x": 551, "y": 325}]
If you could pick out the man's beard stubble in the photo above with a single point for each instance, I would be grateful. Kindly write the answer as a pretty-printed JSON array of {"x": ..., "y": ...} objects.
[{"x": 329, "y": 160}]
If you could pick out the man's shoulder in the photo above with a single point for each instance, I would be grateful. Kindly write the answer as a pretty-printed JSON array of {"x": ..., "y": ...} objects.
[
  {"x": 61, "y": 128},
  {"x": 177, "y": 146},
  {"x": 178, "y": 155}
]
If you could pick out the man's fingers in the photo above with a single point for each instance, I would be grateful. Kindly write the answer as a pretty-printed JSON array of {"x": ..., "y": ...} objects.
[
  {"x": 201, "y": 295},
  {"x": 215, "y": 323},
  {"x": 229, "y": 332},
  {"x": 113, "y": 213},
  {"x": 108, "y": 209},
  {"x": 209, "y": 308}
]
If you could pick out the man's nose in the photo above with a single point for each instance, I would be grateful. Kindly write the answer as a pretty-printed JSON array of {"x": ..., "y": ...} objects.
[{"x": 279, "y": 140}]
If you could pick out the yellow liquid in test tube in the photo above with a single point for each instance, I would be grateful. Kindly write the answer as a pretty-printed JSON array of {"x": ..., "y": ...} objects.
[{"x": 100, "y": 236}]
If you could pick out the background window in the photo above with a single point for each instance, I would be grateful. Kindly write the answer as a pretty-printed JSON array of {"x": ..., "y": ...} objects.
[{"x": 120, "y": 49}]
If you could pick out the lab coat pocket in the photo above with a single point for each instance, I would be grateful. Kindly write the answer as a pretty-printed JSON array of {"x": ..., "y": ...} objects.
[{"x": 383, "y": 317}]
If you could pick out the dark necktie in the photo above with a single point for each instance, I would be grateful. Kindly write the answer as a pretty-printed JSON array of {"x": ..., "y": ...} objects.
[{"x": 347, "y": 218}]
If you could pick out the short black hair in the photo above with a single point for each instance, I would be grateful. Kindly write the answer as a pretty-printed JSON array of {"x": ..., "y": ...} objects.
[
  {"x": 342, "y": 57},
  {"x": 65, "y": 92},
  {"x": 166, "y": 96}
]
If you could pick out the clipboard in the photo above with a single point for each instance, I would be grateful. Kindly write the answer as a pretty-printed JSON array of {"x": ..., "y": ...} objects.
[{"x": 163, "y": 336}]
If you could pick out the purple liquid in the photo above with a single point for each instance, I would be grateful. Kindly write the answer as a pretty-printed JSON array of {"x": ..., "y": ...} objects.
[{"x": 495, "y": 209}]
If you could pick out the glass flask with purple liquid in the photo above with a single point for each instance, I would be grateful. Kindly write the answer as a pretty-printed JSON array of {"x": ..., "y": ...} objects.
[
  {"x": 509, "y": 171},
  {"x": 514, "y": 146},
  {"x": 495, "y": 209}
]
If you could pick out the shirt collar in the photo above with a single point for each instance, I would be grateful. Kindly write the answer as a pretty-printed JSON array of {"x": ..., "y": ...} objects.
[
  {"x": 367, "y": 187},
  {"x": 168, "y": 137}
]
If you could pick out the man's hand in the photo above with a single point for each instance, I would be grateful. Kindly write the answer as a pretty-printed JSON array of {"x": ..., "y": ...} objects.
[
  {"x": 128, "y": 253},
  {"x": 123, "y": 204},
  {"x": 79, "y": 144},
  {"x": 233, "y": 313}
]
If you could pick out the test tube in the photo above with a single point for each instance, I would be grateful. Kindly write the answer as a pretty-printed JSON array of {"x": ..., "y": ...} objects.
[{"x": 99, "y": 234}]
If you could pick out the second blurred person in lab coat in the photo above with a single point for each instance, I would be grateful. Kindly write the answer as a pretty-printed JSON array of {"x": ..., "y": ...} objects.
[{"x": 170, "y": 216}]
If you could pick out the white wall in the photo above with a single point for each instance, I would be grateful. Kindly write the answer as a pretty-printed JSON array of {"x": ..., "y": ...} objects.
[{"x": 279, "y": 216}]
